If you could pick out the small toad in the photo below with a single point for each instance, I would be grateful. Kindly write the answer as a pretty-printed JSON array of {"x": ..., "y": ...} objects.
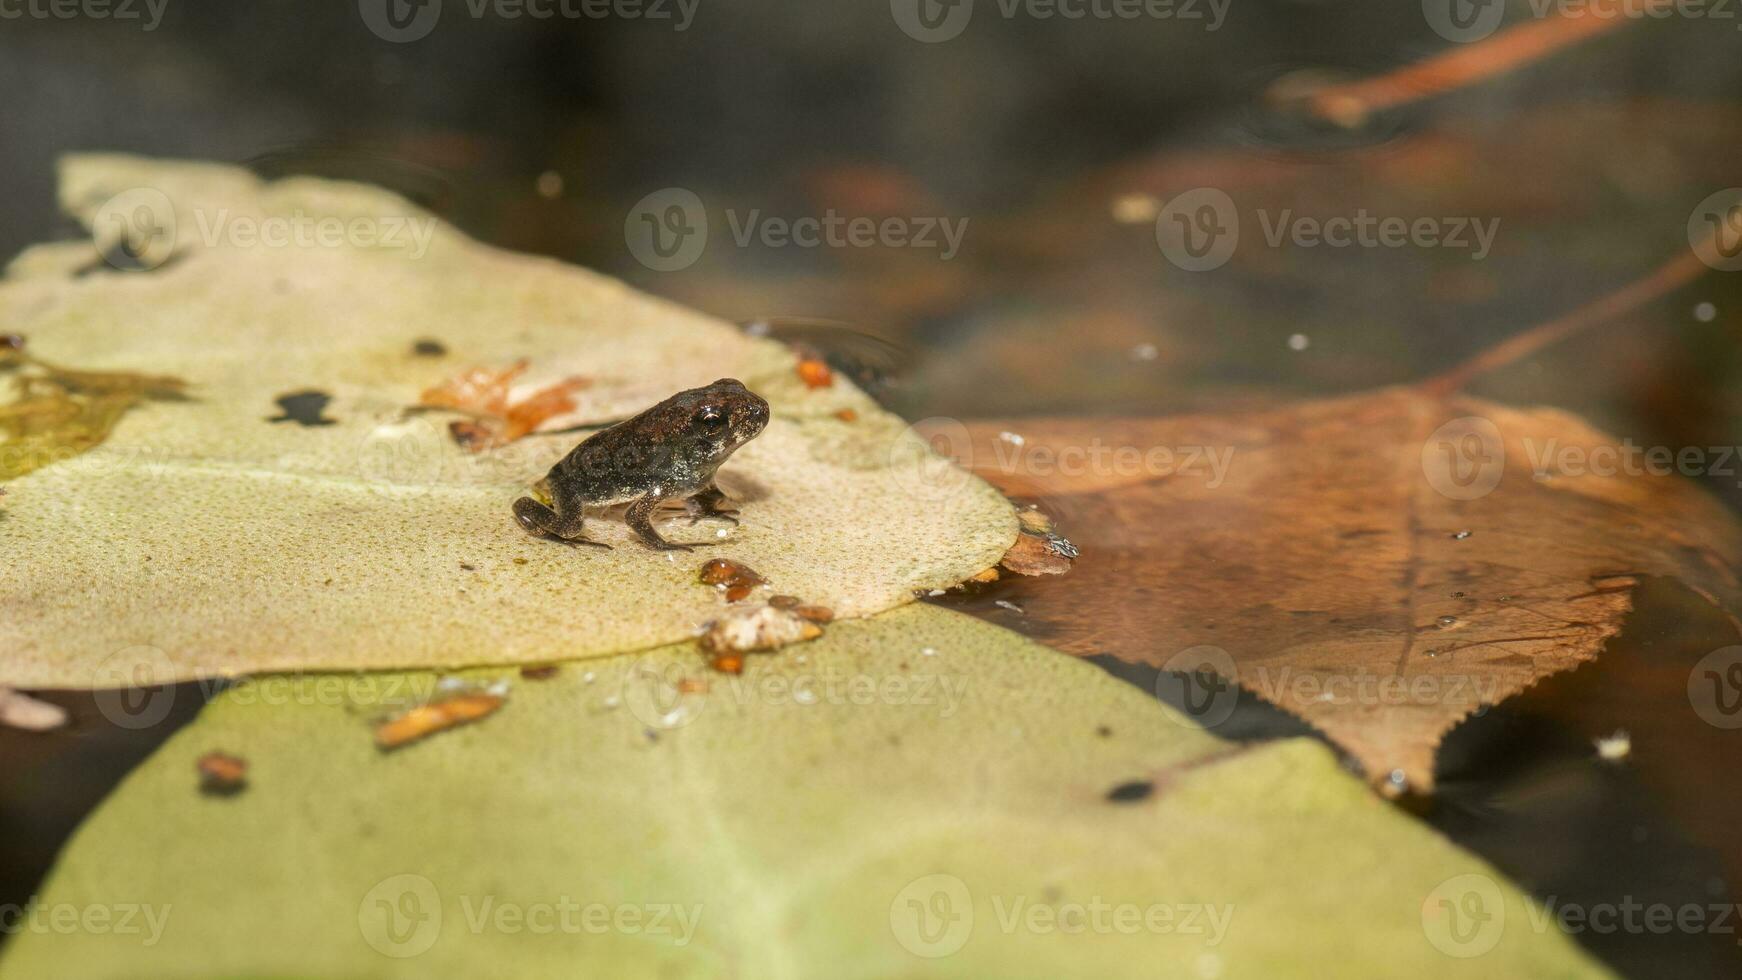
[{"x": 670, "y": 450}]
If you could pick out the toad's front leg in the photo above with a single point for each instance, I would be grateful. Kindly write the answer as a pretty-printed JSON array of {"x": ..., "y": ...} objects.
[
  {"x": 640, "y": 520},
  {"x": 706, "y": 503}
]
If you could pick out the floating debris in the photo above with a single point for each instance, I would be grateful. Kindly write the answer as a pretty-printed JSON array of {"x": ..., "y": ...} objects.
[
  {"x": 501, "y": 419},
  {"x": 1034, "y": 555},
  {"x": 1132, "y": 792},
  {"x": 1135, "y": 209},
  {"x": 815, "y": 372},
  {"x": 748, "y": 629},
  {"x": 221, "y": 774},
  {"x": 1299, "y": 342},
  {"x": 1616, "y": 747},
  {"x": 437, "y": 716},
  {"x": 1007, "y": 604},
  {"x": 736, "y": 580},
  {"x": 305, "y": 408},
  {"x": 25, "y": 713}
]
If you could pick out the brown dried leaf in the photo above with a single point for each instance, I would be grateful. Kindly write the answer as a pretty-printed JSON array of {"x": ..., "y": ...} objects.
[
  {"x": 1343, "y": 556},
  {"x": 1033, "y": 555},
  {"x": 501, "y": 418}
]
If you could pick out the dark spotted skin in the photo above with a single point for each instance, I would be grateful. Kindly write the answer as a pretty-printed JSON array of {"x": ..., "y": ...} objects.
[{"x": 670, "y": 450}]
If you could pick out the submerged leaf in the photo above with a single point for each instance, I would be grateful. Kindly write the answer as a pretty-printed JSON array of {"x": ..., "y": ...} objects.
[
  {"x": 993, "y": 810},
  {"x": 1381, "y": 565}
]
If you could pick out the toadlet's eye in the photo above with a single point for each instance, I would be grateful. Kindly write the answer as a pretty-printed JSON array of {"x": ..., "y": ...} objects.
[{"x": 709, "y": 418}]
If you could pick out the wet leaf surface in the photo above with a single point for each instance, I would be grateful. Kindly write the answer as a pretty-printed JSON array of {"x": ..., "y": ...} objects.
[{"x": 201, "y": 539}]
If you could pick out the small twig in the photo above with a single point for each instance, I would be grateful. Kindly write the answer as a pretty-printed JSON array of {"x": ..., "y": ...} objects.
[
  {"x": 1351, "y": 103},
  {"x": 1671, "y": 275}
]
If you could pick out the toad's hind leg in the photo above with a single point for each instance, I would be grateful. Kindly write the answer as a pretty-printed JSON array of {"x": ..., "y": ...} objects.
[{"x": 564, "y": 524}]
